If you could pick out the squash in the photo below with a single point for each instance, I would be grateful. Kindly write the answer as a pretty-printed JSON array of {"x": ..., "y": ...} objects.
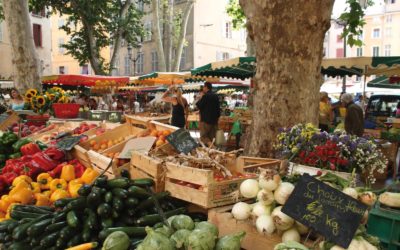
[{"x": 116, "y": 241}]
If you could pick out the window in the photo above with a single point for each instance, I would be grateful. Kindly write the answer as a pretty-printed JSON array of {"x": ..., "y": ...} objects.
[
  {"x": 389, "y": 18},
  {"x": 140, "y": 63},
  {"x": 339, "y": 39},
  {"x": 154, "y": 61},
  {"x": 376, "y": 33},
  {"x": 37, "y": 34},
  {"x": 228, "y": 30},
  {"x": 60, "y": 22},
  {"x": 375, "y": 51},
  {"x": 359, "y": 52},
  {"x": 225, "y": 56},
  {"x": 147, "y": 31},
  {"x": 60, "y": 45},
  {"x": 388, "y": 32},
  {"x": 358, "y": 78},
  {"x": 339, "y": 52},
  {"x": 127, "y": 65},
  {"x": 183, "y": 58},
  {"x": 116, "y": 67},
  {"x": 388, "y": 48},
  {"x": 140, "y": 5},
  {"x": 85, "y": 69},
  {"x": 40, "y": 13},
  {"x": 1, "y": 31},
  {"x": 62, "y": 70}
]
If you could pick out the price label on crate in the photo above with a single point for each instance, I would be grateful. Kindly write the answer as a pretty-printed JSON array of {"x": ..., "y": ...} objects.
[
  {"x": 325, "y": 209},
  {"x": 182, "y": 141}
]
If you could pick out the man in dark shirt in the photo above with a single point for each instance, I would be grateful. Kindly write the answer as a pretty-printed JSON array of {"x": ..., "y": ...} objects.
[
  {"x": 209, "y": 108},
  {"x": 354, "y": 120}
]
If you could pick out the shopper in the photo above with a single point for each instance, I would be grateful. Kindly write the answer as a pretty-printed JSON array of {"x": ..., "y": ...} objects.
[
  {"x": 180, "y": 107},
  {"x": 325, "y": 112},
  {"x": 210, "y": 112},
  {"x": 354, "y": 119},
  {"x": 120, "y": 105},
  {"x": 398, "y": 110},
  {"x": 17, "y": 102},
  {"x": 92, "y": 104}
]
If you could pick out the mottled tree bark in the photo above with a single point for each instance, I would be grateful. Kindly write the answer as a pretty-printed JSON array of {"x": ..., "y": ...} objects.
[
  {"x": 25, "y": 59},
  {"x": 158, "y": 36},
  {"x": 288, "y": 37}
]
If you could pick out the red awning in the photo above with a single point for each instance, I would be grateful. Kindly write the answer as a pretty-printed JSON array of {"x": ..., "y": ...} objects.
[{"x": 85, "y": 80}]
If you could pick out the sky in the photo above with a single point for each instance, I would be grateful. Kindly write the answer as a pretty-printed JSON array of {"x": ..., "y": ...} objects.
[{"x": 340, "y": 6}]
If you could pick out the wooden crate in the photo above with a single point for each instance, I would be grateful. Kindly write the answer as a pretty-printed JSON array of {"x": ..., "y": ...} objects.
[
  {"x": 212, "y": 193},
  {"x": 223, "y": 219},
  {"x": 138, "y": 119},
  {"x": 100, "y": 163},
  {"x": 144, "y": 166},
  {"x": 115, "y": 149}
]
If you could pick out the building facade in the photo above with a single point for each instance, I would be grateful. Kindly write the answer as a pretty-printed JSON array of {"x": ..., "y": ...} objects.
[
  {"x": 42, "y": 39},
  {"x": 210, "y": 37}
]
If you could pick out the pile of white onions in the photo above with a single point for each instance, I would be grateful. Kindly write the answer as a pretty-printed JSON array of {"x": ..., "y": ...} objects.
[{"x": 271, "y": 194}]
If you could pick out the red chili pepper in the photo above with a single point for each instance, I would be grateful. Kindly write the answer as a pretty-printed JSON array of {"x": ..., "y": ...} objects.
[
  {"x": 79, "y": 169},
  {"x": 56, "y": 172},
  {"x": 54, "y": 153},
  {"x": 42, "y": 161},
  {"x": 30, "y": 149}
]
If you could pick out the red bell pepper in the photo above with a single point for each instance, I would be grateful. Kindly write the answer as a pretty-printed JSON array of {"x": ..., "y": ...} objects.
[
  {"x": 3, "y": 183},
  {"x": 56, "y": 172},
  {"x": 30, "y": 170},
  {"x": 54, "y": 154},
  {"x": 9, "y": 177},
  {"x": 42, "y": 161},
  {"x": 79, "y": 169},
  {"x": 30, "y": 149}
]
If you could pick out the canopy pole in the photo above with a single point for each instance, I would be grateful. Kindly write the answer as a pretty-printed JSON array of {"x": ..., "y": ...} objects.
[{"x": 365, "y": 83}]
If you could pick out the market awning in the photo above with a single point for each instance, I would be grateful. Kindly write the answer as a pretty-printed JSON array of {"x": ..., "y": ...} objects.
[
  {"x": 85, "y": 80},
  {"x": 385, "y": 82},
  {"x": 168, "y": 78},
  {"x": 387, "y": 65},
  {"x": 236, "y": 68}
]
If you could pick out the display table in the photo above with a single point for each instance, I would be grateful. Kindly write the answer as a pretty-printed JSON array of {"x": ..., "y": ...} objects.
[{"x": 144, "y": 118}]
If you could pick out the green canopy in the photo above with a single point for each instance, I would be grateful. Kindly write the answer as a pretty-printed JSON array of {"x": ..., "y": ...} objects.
[
  {"x": 236, "y": 68},
  {"x": 383, "y": 82}
]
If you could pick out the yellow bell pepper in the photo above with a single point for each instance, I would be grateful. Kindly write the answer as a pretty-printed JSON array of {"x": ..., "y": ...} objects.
[
  {"x": 73, "y": 188},
  {"x": 2, "y": 215},
  {"x": 44, "y": 180},
  {"x": 68, "y": 172},
  {"x": 21, "y": 178},
  {"x": 4, "y": 205},
  {"x": 35, "y": 187},
  {"x": 47, "y": 193},
  {"x": 58, "y": 184},
  {"x": 59, "y": 194},
  {"x": 22, "y": 193},
  {"x": 42, "y": 200},
  {"x": 89, "y": 175}
]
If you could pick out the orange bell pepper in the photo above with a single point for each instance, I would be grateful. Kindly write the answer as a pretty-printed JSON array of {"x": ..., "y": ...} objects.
[
  {"x": 35, "y": 187},
  {"x": 42, "y": 200},
  {"x": 4, "y": 205},
  {"x": 59, "y": 194},
  {"x": 68, "y": 172},
  {"x": 22, "y": 193},
  {"x": 44, "y": 180},
  {"x": 58, "y": 184},
  {"x": 89, "y": 175},
  {"x": 21, "y": 178},
  {"x": 47, "y": 193}
]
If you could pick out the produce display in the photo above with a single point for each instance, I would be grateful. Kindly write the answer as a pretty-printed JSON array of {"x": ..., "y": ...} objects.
[
  {"x": 105, "y": 144},
  {"x": 29, "y": 130},
  {"x": 159, "y": 134}
]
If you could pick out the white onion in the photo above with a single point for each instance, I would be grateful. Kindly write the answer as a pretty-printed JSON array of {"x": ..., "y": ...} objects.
[
  {"x": 351, "y": 192},
  {"x": 269, "y": 183},
  {"x": 261, "y": 209},
  {"x": 265, "y": 224},
  {"x": 249, "y": 188},
  {"x": 265, "y": 197},
  {"x": 283, "y": 192},
  {"x": 291, "y": 235},
  {"x": 301, "y": 228},
  {"x": 241, "y": 211},
  {"x": 281, "y": 220}
]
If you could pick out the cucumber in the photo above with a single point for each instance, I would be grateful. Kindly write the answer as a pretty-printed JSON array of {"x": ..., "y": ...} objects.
[
  {"x": 49, "y": 240},
  {"x": 86, "y": 233},
  {"x": 77, "y": 204},
  {"x": 104, "y": 210},
  {"x": 18, "y": 215},
  {"x": 56, "y": 227},
  {"x": 149, "y": 202},
  {"x": 34, "y": 209},
  {"x": 35, "y": 241},
  {"x": 118, "y": 183},
  {"x": 4, "y": 225},
  {"x": 144, "y": 182},
  {"x": 59, "y": 216},
  {"x": 138, "y": 192},
  {"x": 118, "y": 204},
  {"x": 101, "y": 181},
  {"x": 125, "y": 173},
  {"x": 76, "y": 240},
  {"x": 119, "y": 192},
  {"x": 20, "y": 232},
  {"x": 13, "y": 224},
  {"x": 130, "y": 231},
  {"x": 94, "y": 198},
  {"x": 67, "y": 232},
  {"x": 62, "y": 202},
  {"x": 152, "y": 219},
  {"x": 106, "y": 223},
  {"x": 108, "y": 197},
  {"x": 19, "y": 246},
  {"x": 38, "y": 227},
  {"x": 90, "y": 219},
  {"x": 84, "y": 190},
  {"x": 24, "y": 220},
  {"x": 61, "y": 243},
  {"x": 72, "y": 219},
  {"x": 131, "y": 202}
]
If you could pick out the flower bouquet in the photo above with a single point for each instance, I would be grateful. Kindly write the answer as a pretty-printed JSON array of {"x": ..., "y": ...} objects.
[{"x": 42, "y": 102}]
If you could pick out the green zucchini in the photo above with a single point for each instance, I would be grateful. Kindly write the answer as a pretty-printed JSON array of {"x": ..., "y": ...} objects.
[
  {"x": 94, "y": 198},
  {"x": 104, "y": 210},
  {"x": 62, "y": 202},
  {"x": 152, "y": 219},
  {"x": 12, "y": 225},
  {"x": 107, "y": 222},
  {"x": 33, "y": 209},
  {"x": 72, "y": 219},
  {"x": 108, "y": 197},
  {"x": 144, "y": 182},
  {"x": 67, "y": 232},
  {"x": 121, "y": 182},
  {"x": 38, "y": 227},
  {"x": 131, "y": 202},
  {"x": 61, "y": 243},
  {"x": 119, "y": 192},
  {"x": 59, "y": 216},
  {"x": 18, "y": 215},
  {"x": 149, "y": 202},
  {"x": 49, "y": 240},
  {"x": 86, "y": 233},
  {"x": 101, "y": 181},
  {"x": 125, "y": 173},
  {"x": 130, "y": 231},
  {"x": 77, "y": 204},
  {"x": 85, "y": 190},
  {"x": 76, "y": 240},
  {"x": 4, "y": 224},
  {"x": 56, "y": 227},
  {"x": 118, "y": 204},
  {"x": 20, "y": 232},
  {"x": 19, "y": 246},
  {"x": 138, "y": 192},
  {"x": 90, "y": 219}
]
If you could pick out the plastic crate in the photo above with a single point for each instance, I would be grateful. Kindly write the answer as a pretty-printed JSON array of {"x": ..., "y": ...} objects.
[
  {"x": 97, "y": 116},
  {"x": 114, "y": 116},
  {"x": 66, "y": 110},
  {"x": 385, "y": 224}
]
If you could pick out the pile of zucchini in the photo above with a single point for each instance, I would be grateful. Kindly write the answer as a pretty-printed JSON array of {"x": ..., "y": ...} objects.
[{"x": 107, "y": 206}]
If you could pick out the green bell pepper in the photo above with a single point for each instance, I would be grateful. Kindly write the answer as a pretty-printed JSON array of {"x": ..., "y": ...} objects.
[
  {"x": 9, "y": 138},
  {"x": 15, "y": 155},
  {"x": 41, "y": 145},
  {"x": 17, "y": 145}
]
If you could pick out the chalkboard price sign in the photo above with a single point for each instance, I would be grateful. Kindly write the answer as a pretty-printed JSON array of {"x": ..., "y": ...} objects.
[
  {"x": 325, "y": 209},
  {"x": 182, "y": 141}
]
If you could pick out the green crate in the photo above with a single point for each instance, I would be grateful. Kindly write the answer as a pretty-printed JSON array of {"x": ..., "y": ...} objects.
[
  {"x": 114, "y": 116},
  {"x": 97, "y": 116},
  {"x": 385, "y": 224}
]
